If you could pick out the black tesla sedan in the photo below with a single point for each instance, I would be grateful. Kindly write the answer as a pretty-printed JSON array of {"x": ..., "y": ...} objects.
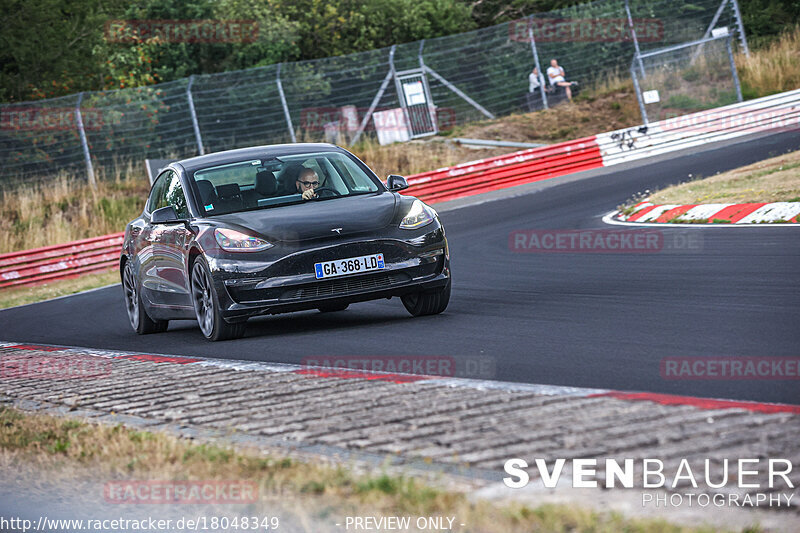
[{"x": 276, "y": 229}]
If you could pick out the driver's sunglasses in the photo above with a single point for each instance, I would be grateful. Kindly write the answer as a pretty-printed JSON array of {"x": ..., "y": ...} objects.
[{"x": 309, "y": 183}]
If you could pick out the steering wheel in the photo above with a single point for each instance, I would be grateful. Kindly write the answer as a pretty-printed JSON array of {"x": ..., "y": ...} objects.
[{"x": 329, "y": 190}]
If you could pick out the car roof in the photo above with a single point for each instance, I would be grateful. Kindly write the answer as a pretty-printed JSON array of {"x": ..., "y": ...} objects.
[{"x": 254, "y": 152}]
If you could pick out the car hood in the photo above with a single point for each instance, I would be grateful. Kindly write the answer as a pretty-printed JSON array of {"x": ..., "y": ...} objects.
[{"x": 318, "y": 218}]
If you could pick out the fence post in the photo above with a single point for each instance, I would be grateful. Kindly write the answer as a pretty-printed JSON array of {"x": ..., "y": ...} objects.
[
  {"x": 84, "y": 144},
  {"x": 431, "y": 108},
  {"x": 285, "y": 105},
  {"x": 742, "y": 37},
  {"x": 639, "y": 94},
  {"x": 542, "y": 85},
  {"x": 195, "y": 124},
  {"x": 635, "y": 39},
  {"x": 377, "y": 99},
  {"x": 711, "y": 26},
  {"x": 733, "y": 68}
]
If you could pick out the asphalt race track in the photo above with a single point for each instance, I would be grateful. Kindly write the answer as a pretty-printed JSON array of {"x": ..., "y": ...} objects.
[{"x": 577, "y": 319}]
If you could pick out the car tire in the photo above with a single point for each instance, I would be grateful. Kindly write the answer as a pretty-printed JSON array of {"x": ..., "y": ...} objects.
[
  {"x": 333, "y": 308},
  {"x": 427, "y": 302},
  {"x": 139, "y": 320},
  {"x": 206, "y": 306}
]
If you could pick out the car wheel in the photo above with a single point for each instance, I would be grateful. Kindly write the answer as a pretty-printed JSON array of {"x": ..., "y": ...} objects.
[
  {"x": 333, "y": 308},
  {"x": 138, "y": 317},
  {"x": 428, "y": 302},
  {"x": 206, "y": 307}
]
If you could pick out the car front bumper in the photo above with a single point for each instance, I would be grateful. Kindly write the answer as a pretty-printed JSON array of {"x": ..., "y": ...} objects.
[{"x": 289, "y": 284}]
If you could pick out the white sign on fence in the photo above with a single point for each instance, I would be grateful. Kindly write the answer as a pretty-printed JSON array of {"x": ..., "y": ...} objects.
[
  {"x": 415, "y": 93},
  {"x": 650, "y": 97},
  {"x": 719, "y": 32}
]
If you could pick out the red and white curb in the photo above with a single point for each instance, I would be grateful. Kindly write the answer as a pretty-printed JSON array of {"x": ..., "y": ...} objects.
[
  {"x": 772, "y": 214},
  {"x": 400, "y": 378}
]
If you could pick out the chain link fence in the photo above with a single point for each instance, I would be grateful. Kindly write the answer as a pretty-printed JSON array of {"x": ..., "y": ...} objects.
[
  {"x": 686, "y": 78},
  {"x": 467, "y": 77}
]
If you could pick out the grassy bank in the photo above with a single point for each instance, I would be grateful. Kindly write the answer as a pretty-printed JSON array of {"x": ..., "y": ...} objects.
[
  {"x": 76, "y": 452},
  {"x": 772, "y": 69},
  {"x": 773, "y": 180},
  {"x": 609, "y": 105},
  {"x": 68, "y": 209}
]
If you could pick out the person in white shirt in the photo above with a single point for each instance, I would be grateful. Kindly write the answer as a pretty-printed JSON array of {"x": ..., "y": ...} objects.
[
  {"x": 557, "y": 78},
  {"x": 533, "y": 80}
]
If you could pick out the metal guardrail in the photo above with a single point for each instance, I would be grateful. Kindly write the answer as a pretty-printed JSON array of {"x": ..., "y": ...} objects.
[
  {"x": 504, "y": 171},
  {"x": 769, "y": 114},
  {"x": 480, "y": 143},
  {"x": 62, "y": 261}
]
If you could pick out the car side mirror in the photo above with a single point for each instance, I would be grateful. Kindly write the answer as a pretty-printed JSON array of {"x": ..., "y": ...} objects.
[
  {"x": 396, "y": 183},
  {"x": 165, "y": 215}
]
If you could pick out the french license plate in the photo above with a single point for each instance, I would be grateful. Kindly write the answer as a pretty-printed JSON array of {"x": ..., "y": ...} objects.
[{"x": 352, "y": 265}]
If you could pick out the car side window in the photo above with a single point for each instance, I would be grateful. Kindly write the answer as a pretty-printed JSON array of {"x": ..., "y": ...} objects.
[
  {"x": 157, "y": 192},
  {"x": 173, "y": 195}
]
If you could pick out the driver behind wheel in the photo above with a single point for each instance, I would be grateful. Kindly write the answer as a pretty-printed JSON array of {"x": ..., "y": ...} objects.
[{"x": 306, "y": 182}]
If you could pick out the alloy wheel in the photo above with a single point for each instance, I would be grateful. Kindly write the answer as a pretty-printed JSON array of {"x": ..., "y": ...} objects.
[
  {"x": 131, "y": 296},
  {"x": 203, "y": 299}
]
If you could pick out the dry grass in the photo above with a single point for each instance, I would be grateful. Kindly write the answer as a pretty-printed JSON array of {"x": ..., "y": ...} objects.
[
  {"x": 13, "y": 296},
  {"x": 68, "y": 209},
  {"x": 608, "y": 106},
  {"x": 772, "y": 69},
  {"x": 772, "y": 180},
  {"x": 56, "y": 448},
  {"x": 418, "y": 156}
]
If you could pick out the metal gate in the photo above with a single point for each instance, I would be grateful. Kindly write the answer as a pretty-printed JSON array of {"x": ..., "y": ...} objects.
[{"x": 415, "y": 99}]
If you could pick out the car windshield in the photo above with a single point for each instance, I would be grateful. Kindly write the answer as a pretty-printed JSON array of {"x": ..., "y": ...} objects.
[{"x": 273, "y": 182}]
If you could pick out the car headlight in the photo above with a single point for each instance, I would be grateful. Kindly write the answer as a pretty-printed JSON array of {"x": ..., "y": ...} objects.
[
  {"x": 235, "y": 241},
  {"x": 419, "y": 215}
]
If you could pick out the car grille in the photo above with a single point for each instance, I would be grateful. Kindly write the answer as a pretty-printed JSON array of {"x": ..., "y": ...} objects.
[{"x": 343, "y": 286}]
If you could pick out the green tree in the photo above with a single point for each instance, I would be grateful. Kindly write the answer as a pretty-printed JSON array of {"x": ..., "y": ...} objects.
[
  {"x": 46, "y": 46},
  {"x": 329, "y": 28}
]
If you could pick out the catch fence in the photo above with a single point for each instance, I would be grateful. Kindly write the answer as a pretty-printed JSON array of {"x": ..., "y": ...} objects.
[{"x": 399, "y": 92}]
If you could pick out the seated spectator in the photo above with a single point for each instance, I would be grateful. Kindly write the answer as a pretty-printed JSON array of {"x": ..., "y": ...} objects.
[
  {"x": 558, "y": 78},
  {"x": 534, "y": 82}
]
